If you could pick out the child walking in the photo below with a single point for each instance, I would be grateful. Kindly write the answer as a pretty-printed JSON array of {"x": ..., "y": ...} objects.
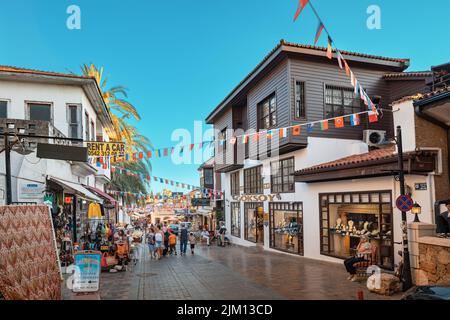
[
  {"x": 192, "y": 242},
  {"x": 173, "y": 243}
]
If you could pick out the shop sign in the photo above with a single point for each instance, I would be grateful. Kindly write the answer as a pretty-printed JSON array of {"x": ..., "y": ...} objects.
[
  {"x": 31, "y": 190},
  {"x": 61, "y": 152},
  {"x": 87, "y": 271},
  {"x": 257, "y": 197},
  {"x": 104, "y": 149},
  {"x": 200, "y": 202}
]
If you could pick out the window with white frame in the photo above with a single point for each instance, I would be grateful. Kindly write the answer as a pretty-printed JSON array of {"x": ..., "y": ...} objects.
[{"x": 74, "y": 121}]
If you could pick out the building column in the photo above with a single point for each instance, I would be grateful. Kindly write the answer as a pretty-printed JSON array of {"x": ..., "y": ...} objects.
[{"x": 417, "y": 230}]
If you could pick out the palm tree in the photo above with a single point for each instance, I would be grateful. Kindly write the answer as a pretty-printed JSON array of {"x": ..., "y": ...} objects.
[{"x": 120, "y": 111}]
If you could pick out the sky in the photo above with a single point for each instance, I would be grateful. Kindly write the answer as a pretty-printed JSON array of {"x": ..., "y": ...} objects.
[{"x": 180, "y": 58}]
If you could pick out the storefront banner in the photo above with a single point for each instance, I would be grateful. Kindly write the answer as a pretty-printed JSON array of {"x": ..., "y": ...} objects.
[
  {"x": 257, "y": 197},
  {"x": 87, "y": 271},
  {"x": 104, "y": 149}
]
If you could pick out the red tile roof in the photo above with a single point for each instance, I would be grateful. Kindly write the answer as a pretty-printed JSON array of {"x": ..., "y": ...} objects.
[
  {"x": 422, "y": 96},
  {"x": 402, "y": 75},
  {"x": 40, "y": 72},
  {"x": 374, "y": 155}
]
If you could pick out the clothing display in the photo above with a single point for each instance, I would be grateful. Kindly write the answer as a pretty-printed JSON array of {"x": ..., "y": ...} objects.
[{"x": 94, "y": 211}]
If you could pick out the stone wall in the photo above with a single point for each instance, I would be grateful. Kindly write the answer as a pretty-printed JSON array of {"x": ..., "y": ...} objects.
[{"x": 434, "y": 262}]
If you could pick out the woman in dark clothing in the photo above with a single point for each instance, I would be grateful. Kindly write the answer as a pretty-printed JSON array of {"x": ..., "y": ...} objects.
[{"x": 364, "y": 247}]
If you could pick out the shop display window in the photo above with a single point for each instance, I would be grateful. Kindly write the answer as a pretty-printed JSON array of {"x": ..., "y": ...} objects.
[
  {"x": 254, "y": 222},
  {"x": 236, "y": 219},
  {"x": 345, "y": 217},
  {"x": 286, "y": 227}
]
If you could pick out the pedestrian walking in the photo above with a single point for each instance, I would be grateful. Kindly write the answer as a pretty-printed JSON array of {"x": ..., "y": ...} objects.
[
  {"x": 151, "y": 243},
  {"x": 159, "y": 240},
  {"x": 166, "y": 235},
  {"x": 173, "y": 243},
  {"x": 192, "y": 241},
  {"x": 205, "y": 235},
  {"x": 184, "y": 237}
]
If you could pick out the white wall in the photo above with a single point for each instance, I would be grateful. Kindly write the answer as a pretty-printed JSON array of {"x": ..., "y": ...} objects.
[
  {"x": 321, "y": 150},
  {"x": 404, "y": 117}
]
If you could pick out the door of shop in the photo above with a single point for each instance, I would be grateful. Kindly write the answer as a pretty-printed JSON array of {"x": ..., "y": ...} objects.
[
  {"x": 286, "y": 227},
  {"x": 254, "y": 222}
]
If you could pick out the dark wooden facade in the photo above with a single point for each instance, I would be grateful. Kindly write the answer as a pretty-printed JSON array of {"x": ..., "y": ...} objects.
[{"x": 277, "y": 74}]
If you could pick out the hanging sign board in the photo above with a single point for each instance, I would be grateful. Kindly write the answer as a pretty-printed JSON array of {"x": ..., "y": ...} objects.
[
  {"x": 87, "y": 271},
  {"x": 61, "y": 152},
  {"x": 105, "y": 149}
]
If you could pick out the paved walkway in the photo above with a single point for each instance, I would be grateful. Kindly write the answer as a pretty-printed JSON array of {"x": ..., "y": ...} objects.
[{"x": 230, "y": 273}]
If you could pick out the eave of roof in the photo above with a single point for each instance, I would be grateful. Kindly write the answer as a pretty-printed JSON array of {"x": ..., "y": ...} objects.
[
  {"x": 415, "y": 75},
  {"x": 284, "y": 46}
]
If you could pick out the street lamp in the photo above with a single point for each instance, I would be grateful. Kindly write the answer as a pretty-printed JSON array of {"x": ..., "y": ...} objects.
[{"x": 416, "y": 210}]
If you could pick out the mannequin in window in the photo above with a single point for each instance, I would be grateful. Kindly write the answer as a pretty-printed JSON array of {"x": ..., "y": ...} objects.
[{"x": 364, "y": 247}]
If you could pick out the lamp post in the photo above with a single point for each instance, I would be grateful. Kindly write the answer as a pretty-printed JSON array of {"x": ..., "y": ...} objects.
[
  {"x": 416, "y": 210},
  {"x": 407, "y": 277}
]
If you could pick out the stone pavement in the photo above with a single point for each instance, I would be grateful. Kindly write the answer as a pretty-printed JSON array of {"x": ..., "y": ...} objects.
[{"x": 233, "y": 272}]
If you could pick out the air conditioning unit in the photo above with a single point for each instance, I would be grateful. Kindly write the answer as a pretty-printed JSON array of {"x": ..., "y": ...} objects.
[{"x": 374, "y": 137}]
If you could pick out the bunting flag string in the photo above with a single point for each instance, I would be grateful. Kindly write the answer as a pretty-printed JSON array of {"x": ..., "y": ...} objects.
[
  {"x": 359, "y": 90},
  {"x": 120, "y": 170},
  {"x": 156, "y": 153}
]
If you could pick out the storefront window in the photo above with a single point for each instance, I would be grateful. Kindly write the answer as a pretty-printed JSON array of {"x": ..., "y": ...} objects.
[
  {"x": 236, "y": 219},
  {"x": 254, "y": 222},
  {"x": 345, "y": 217},
  {"x": 286, "y": 227}
]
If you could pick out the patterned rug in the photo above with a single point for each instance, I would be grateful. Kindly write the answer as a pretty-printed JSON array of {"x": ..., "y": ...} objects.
[{"x": 28, "y": 264}]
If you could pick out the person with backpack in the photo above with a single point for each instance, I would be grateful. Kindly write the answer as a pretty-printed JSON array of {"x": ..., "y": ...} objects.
[
  {"x": 183, "y": 240},
  {"x": 151, "y": 243}
]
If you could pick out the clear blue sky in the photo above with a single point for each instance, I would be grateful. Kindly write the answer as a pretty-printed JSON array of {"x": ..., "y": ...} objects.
[{"x": 180, "y": 58}]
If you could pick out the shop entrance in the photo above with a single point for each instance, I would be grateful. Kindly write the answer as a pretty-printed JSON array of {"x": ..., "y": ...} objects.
[
  {"x": 346, "y": 217},
  {"x": 254, "y": 222},
  {"x": 286, "y": 226}
]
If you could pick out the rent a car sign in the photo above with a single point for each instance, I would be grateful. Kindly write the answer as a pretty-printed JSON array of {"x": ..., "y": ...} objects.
[{"x": 104, "y": 149}]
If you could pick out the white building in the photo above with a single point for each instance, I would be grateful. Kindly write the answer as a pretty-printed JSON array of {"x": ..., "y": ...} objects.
[{"x": 51, "y": 104}]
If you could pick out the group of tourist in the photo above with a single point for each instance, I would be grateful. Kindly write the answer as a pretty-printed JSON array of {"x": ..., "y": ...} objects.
[{"x": 162, "y": 241}]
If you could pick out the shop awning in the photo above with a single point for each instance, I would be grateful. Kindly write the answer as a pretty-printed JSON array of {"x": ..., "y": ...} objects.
[
  {"x": 102, "y": 194},
  {"x": 76, "y": 188}
]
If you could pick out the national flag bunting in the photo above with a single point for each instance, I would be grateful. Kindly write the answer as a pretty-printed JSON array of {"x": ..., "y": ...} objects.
[
  {"x": 355, "y": 119},
  {"x": 301, "y": 5},
  {"x": 347, "y": 68},
  {"x": 339, "y": 122},
  {"x": 244, "y": 139},
  {"x": 310, "y": 127},
  {"x": 324, "y": 125},
  {"x": 373, "y": 117},
  {"x": 256, "y": 136},
  {"x": 339, "y": 58},
  {"x": 282, "y": 132},
  {"x": 269, "y": 134},
  {"x": 296, "y": 130},
  {"x": 318, "y": 32},
  {"x": 233, "y": 140}
]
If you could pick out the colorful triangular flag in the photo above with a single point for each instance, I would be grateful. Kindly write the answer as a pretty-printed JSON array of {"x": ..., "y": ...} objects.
[
  {"x": 339, "y": 58},
  {"x": 318, "y": 32},
  {"x": 329, "y": 49},
  {"x": 301, "y": 6}
]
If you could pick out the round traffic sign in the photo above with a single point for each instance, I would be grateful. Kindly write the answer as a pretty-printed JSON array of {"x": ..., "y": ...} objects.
[{"x": 404, "y": 203}]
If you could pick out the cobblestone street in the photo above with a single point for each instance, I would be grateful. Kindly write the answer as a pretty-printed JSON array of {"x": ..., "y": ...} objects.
[{"x": 230, "y": 273}]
